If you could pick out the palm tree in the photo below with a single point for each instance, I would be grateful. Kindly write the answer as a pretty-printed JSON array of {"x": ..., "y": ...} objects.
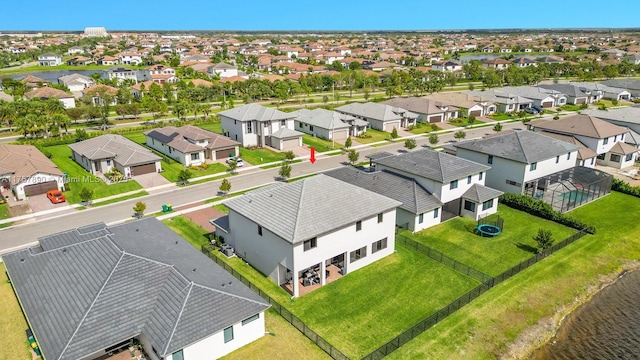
[{"x": 62, "y": 121}]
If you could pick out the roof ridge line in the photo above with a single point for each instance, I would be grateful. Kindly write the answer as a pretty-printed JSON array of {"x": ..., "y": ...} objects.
[
  {"x": 415, "y": 194},
  {"x": 227, "y": 293},
  {"x": 78, "y": 243},
  {"x": 438, "y": 155},
  {"x": 521, "y": 147},
  {"x": 295, "y": 228},
  {"x": 84, "y": 317},
  {"x": 175, "y": 326}
]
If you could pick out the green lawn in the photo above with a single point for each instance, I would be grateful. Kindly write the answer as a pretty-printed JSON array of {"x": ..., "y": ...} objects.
[
  {"x": 4, "y": 211},
  {"x": 487, "y": 327},
  {"x": 373, "y": 135},
  {"x": 13, "y": 342},
  {"x": 500, "y": 116},
  {"x": 463, "y": 122},
  {"x": 422, "y": 128},
  {"x": 190, "y": 231},
  {"x": 78, "y": 177},
  {"x": 261, "y": 156},
  {"x": 456, "y": 239},
  {"x": 570, "y": 107},
  {"x": 215, "y": 127},
  {"x": 321, "y": 145},
  {"x": 222, "y": 208}
]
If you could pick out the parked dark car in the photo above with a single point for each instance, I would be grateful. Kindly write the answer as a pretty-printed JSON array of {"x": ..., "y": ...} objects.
[
  {"x": 531, "y": 110},
  {"x": 538, "y": 108}
]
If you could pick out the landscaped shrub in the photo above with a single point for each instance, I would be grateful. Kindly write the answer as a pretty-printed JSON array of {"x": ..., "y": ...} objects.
[
  {"x": 624, "y": 187},
  {"x": 542, "y": 209}
]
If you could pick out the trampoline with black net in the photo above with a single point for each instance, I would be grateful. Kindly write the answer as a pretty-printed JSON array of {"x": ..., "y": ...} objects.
[{"x": 568, "y": 189}]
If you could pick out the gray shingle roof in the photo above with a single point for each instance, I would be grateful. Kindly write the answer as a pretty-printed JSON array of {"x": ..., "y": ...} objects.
[
  {"x": 378, "y": 155},
  {"x": 87, "y": 290},
  {"x": 178, "y": 138},
  {"x": 480, "y": 193},
  {"x": 323, "y": 118},
  {"x": 567, "y": 89},
  {"x": 309, "y": 207},
  {"x": 117, "y": 147},
  {"x": 629, "y": 84},
  {"x": 522, "y": 146},
  {"x": 433, "y": 165},
  {"x": 376, "y": 111},
  {"x": 414, "y": 198},
  {"x": 629, "y": 115},
  {"x": 255, "y": 112}
]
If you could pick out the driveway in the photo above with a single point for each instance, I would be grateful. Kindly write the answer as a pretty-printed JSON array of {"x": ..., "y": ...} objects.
[
  {"x": 41, "y": 202},
  {"x": 151, "y": 180}
]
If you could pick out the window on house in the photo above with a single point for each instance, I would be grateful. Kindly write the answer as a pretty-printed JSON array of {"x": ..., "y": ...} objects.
[
  {"x": 568, "y": 156},
  {"x": 249, "y": 128},
  {"x": 259, "y": 230},
  {"x": 310, "y": 244},
  {"x": 358, "y": 225},
  {"x": 169, "y": 149},
  {"x": 606, "y": 141},
  {"x": 420, "y": 218},
  {"x": 557, "y": 159},
  {"x": 615, "y": 138},
  {"x": 487, "y": 204},
  {"x": 379, "y": 218},
  {"x": 469, "y": 179},
  {"x": 490, "y": 159},
  {"x": 592, "y": 161},
  {"x": 311, "y": 127},
  {"x": 250, "y": 319},
  {"x": 615, "y": 158},
  {"x": 195, "y": 156},
  {"x": 622, "y": 137},
  {"x": 601, "y": 156},
  {"x": 533, "y": 166},
  {"x": 153, "y": 141},
  {"x": 283, "y": 123},
  {"x": 511, "y": 182},
  {"x": 358, "y": 254},
  {"x": 235, "y": 122},
  {"x": 469, "y": 206},
  {"x": 379, "y": 245},
  {"x": 108, "y": 162},
  {"x": 435, "y": 213},
  {"x": 453, "y": 185},
  {"x": 228, "y": 334},
  {"x": 178, "y": 355}
]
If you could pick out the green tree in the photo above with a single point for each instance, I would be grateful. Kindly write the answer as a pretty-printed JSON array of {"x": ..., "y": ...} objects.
[
  {"x": 394, "y": 133},
  {"x": 139, "y": 209},
  {"x": 86, "y": 195},
  {"x": 233, "y": 165},
  {"x": 285, "y": 171},
  {"x": 348, "y": 143},
  {"x": 543, "y": 239},
  {"x": 225, "y": 187},
  {"x": 289, "y": 155},
  {"x": 61, "y": 121},
  {"x": 470, "y": 120},
  {"x": 184, "y": 175},
  {"x": 410, "y": 144},
  {"x": 81, "y": 134},
  {"x": 497, "y": 127},
  {"x": 433, "y": 139},
  {"x": 460, "y": 135},
  {"x": 353, "y": 156}
]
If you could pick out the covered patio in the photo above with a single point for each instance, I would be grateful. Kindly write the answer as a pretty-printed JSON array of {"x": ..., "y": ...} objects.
[{"x": 311, "y": 278}]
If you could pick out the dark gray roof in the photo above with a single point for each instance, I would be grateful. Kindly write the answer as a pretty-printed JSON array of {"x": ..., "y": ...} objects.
[
  {"x": 522, "y": 146},
  {"x": 221, "y": 223},
  {"x": 629, "y": 84},
  {"x": 414, "y": 198},
  {"x": 112, "y": 146},
  {"x": 378, "y": 155},
  {"x": 255, "y": 112},
  {"x": 480, "y": 193},
  {"x": 309, "y": 207},
  {"x": 433, "y": 165},
  {"x": 95, "y": 286},
  {"x": 567, "y": 89},
  {"x": 323, "y": 118},
  {"x": 629, "y": 115}
]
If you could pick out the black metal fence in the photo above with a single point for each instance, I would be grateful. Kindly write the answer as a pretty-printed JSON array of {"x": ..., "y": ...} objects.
[
  {"x": 281, "y": 310},
  {"x": 442, "y": 258},
  {"x": 443, "y": 313}
]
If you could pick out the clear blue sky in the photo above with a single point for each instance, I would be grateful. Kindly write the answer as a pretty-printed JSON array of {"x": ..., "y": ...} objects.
[{"x": 316, "y": 15}]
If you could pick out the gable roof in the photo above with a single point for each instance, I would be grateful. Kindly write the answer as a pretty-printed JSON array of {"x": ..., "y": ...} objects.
[
  {"x": 580, "y": 125},
  {"x": 112, "y": 146},
  {"x": 323, "y": 118},
  {"x": 479, "y": 193},
  {"x": 630, "y": 114},
  {"x": 584, "y": 152},
  {"x": 376, "y": 111},
  {"x": 414, "y": 198},
  {"x": 421, "y": 105},
  {"x": 85, "y": 289},
  {"x": 257, "y": 112},
  {"x": 521, "y": 146},
  {"x": 46, "y": 93},
  {"x": 499, "y": 96},
  {"x": 433, "y": 165},
  {"x": 572, "y": 90},
  {"x": 24, "y": 161},
  {"x": 178, "y": 138},
  {"x": 623, "y": 148},
  {"x": 309, "y": 207}
]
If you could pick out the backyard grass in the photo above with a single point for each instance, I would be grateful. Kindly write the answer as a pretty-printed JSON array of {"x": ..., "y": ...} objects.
[
  {"x": 283, "y": 341},
  {"x": 215, "y": 126},
  {"x": 78, "y": 177},
  {"x": 190, "y": 231},
  {"x": 485, "y": 328},
  {"x": 261, "y": 156},
  {"x": 13, "y": 342},
  {"x": 321, "y": 145},
  {"x": 373, "y": 135}
]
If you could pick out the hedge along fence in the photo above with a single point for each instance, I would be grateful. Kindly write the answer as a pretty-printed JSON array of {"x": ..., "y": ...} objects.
[
  {"x": 625, "y": 188},
  {"x": 542, "y": 209}
]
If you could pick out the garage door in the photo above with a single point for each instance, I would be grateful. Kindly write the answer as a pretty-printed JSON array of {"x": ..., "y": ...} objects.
[
  {"x": 580, "y": 101},
  {"x": 290, "y": 144},
  {"x": 475, "y": 113},
  {"x": 223, "y": 154},
  {"x": 143, "y": 169},
  {"x": 547, "y": 104},
  {"x": 37, "y": 189},
  {"x": 340, "y": 135},
  {"x": 435, "y": 119},
  {"x": 389, "y": 127}
]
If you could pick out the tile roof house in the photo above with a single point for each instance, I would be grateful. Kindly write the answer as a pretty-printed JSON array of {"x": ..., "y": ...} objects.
[
  {"x": 468, "y": 105},
  {"x": 191, "y": 145},
  {"x": 288, "y": 230},
  {"x": 542, "y": 97},
  {"x": 452, "y": 180},
  {"x": 27, "y": 171},
  {"x": 76, "y": 83},
  {"x": 419, "y": 209},
  {"x": 631, "y": 85},
  {"x": 506, "y": 102},
  {"x": 257, "y": 125},
  {"x": 107, "y": 152},
  {"x": 608, "y": 92},
  {"x": 223, "y": 70},
  {"x": 327, "y": 124},
  {"x": 32, "y": 81},
  {"x": 622, "y": 116},
  {"x": 380, "y": 116},
  {"x": 599, "y": 135},
  {"x": 92, "y": 290},
  {"x": 48, "y": 92},
  {"x": 428, "y": 110},
  {"x": 49, "y": 59}
]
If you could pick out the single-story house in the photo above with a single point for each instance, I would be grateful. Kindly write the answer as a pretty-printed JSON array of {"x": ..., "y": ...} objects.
[
  {"x": 380, "y": 116},
  {"x": 191, "y": 145},
  {"x": 48, "y": 92},
  {"x": 542, "y": 97},
  {"x": 325, "y": 124},
  {"x": 428, "y": 110},
  {"x": 506, "y": 102},
  {"x": 628, "y": 116},
  {"x": 631, "y": 85},
  {"x": 466, "y": 104},
  {"x": 576, "y": 95},
  {"x": 608, "y": 92},
  {"x": 93, "y": 291},
  {"x": 295, "y": 233},
  {"x": 106, "y": 152},
  {"x": 27, "y": 171}
]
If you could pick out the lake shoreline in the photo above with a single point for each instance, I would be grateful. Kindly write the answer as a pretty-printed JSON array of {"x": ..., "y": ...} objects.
[{"x": 546, "y": 329}]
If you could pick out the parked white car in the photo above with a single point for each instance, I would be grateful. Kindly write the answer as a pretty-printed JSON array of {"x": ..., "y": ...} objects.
[{"x": 239, "y": 162}]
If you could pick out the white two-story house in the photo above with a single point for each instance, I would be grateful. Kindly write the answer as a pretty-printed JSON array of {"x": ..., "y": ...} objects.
[
  {"x": 49, "y": 59},
  {"x": 257, "y": 125},
  {"x": 310, "y": 231}
]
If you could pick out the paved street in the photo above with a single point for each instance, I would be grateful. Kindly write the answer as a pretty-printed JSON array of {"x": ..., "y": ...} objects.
[{"x": 28, "y": 232}]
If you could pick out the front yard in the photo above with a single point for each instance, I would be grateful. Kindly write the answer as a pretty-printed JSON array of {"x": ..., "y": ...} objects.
[
  {"x": 78, "y": 177},
  {"x": 463, "y": 122},
  {"x": 321, "y": 145},
  {"x": 13, "y": 342},
  {"x": 373, "y": 135},
  {"x": 261, "y": 156},
  {"x": 423, "y": 128},
  {"x": 456, "y": 239}
]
